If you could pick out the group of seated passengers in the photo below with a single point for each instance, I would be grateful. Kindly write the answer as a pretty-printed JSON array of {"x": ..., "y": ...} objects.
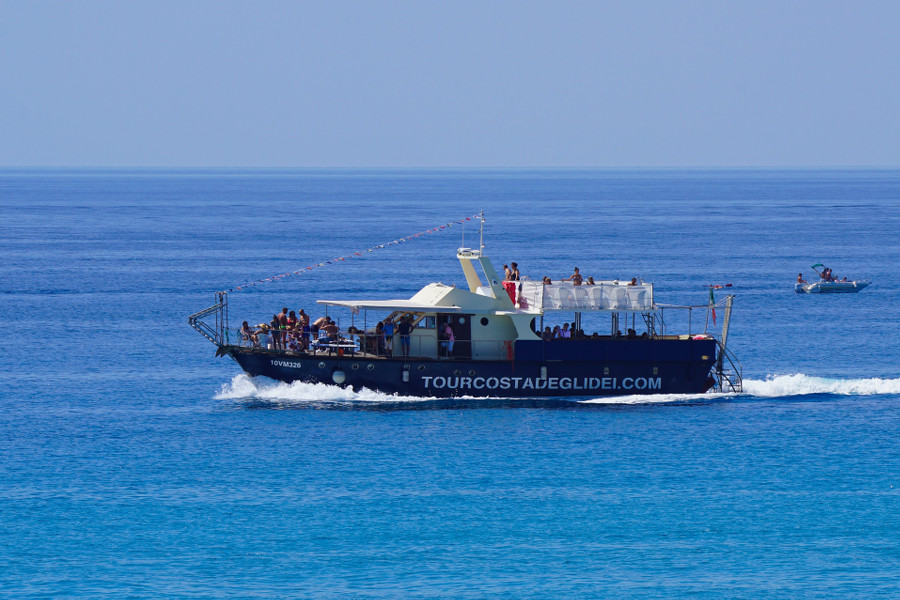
[
  {"x": 288, "y": 331},
  {"x": 826, "y": 275},
  {"x": 565, "y": 332}
]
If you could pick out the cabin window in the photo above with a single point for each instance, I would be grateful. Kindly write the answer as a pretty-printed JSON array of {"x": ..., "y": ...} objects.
[{"x": 484, "y": 321}]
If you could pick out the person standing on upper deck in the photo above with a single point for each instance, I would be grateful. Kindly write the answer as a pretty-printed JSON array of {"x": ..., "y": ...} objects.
[
  {"x": 514, "y": 276},
  {"x": 575, "y": 278}
]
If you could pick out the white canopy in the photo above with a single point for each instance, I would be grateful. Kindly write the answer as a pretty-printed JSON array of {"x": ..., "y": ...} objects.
[{"x": 405, "y": 305}]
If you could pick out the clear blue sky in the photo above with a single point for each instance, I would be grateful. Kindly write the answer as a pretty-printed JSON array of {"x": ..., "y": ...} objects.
[{"x": 449, "y": 84}]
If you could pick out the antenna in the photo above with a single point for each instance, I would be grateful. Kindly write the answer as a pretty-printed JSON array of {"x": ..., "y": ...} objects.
[{"x": 481, "y": 241}]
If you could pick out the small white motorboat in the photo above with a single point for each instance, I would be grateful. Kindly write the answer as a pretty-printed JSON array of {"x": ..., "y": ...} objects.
[{"x": 829, "y": 285}]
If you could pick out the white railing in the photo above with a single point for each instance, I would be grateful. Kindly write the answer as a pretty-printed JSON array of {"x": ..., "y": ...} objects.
[{"x": 562, "y": 295}]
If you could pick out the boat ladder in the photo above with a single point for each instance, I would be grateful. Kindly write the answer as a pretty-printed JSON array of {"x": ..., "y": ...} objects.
[{"x": 729, "y": 372}]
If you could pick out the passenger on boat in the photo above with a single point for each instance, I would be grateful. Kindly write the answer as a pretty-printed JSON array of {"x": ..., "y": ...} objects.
[
  {"x": 547, "y": 281},
  {"x": 292, "y": 320},
  {"x": 389, "y": 336},
  {"x": 547, "y": 335},
  {"x": 331, "y": 330},
  {"x": 379, "y": 338},
  {"x": 632, "y": 334},
  {"x": 263, "y": 334},
  {"x": 507, "y": 273},
  {"x": 248, "y": 335},
  {"x": 800, "y": 278},
  {"x": 565, "y": 333},
  {"x": 633, "y": 281},
  {"x": 283, "y": 326},
  {"x": 555, "y": 332},
  {"x": 575, "y": 277},
  {"x": 515, "y": 272},
  {"x": 317, "y": 325},
  {"x": 275, "y": 334},
  {"x": 590, "y": 281},
  {"x": 294, "y": 339},
  {"x": 449, "y": 338},
  {"x": 405, "y": 327}
]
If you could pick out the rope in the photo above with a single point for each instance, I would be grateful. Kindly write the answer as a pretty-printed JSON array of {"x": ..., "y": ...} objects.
[{"x": 361, "y": 253}]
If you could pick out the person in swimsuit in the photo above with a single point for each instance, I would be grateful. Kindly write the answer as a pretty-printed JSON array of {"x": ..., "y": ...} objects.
[
  {"x": 283, "y": 326},
  {"x": 515, "y": 272},
  {"x": 575, "y": 278},
  {"x": 507, "y": 273},
  {"x": 800, "y": 278},
  {"x": 248, "y": 335}
]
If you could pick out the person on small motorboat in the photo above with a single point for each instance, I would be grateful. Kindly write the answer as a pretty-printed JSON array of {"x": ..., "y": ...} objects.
[{"x": 800, "y": 278}]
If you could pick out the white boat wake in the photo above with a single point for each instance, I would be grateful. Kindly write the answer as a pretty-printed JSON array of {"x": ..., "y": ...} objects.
[
  {"x": 802, "y": 385},
  {"x": 773, "y": 386},
  {"x": 245, "y": 388}
]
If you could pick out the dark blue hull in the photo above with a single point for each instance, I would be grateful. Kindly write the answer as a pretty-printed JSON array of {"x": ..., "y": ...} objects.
[{"x": 539, "y": 369}]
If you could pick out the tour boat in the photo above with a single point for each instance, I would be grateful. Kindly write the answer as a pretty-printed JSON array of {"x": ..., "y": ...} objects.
[{"x": 499, "y": 348}]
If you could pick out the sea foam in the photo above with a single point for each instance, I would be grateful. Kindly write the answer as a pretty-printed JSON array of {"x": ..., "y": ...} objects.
[
  {"x": 243, "y": 387},
  {"x": 801, "y": 385}
]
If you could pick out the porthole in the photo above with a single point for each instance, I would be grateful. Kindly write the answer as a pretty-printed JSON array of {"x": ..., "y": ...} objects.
[
  {"x": 472, "y": 372},
  {"x": 321, "y": 365},
  {"x": 355, "y": 367},
  {"x": 421, "y": 367},
  {"x": 606, "y": 370},
  {"x": 370, "y": 366},
  {"x": 656, "y": 370},
  {"x": 456, "y": 373},
  {"x": 484, "y": 321},
  {"x": 461, "y": 320},
  {"x": 406, "y": 367}
]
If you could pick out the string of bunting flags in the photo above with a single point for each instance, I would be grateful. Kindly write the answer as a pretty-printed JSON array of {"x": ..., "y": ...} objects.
[{"x": 358, "y": 254}]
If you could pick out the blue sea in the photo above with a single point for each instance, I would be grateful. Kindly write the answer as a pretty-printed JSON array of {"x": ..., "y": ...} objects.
[{"x": 136, "y": 464}]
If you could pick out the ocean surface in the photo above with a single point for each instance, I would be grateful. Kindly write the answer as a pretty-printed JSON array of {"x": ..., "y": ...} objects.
[{"x": 135, "y": 464}]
